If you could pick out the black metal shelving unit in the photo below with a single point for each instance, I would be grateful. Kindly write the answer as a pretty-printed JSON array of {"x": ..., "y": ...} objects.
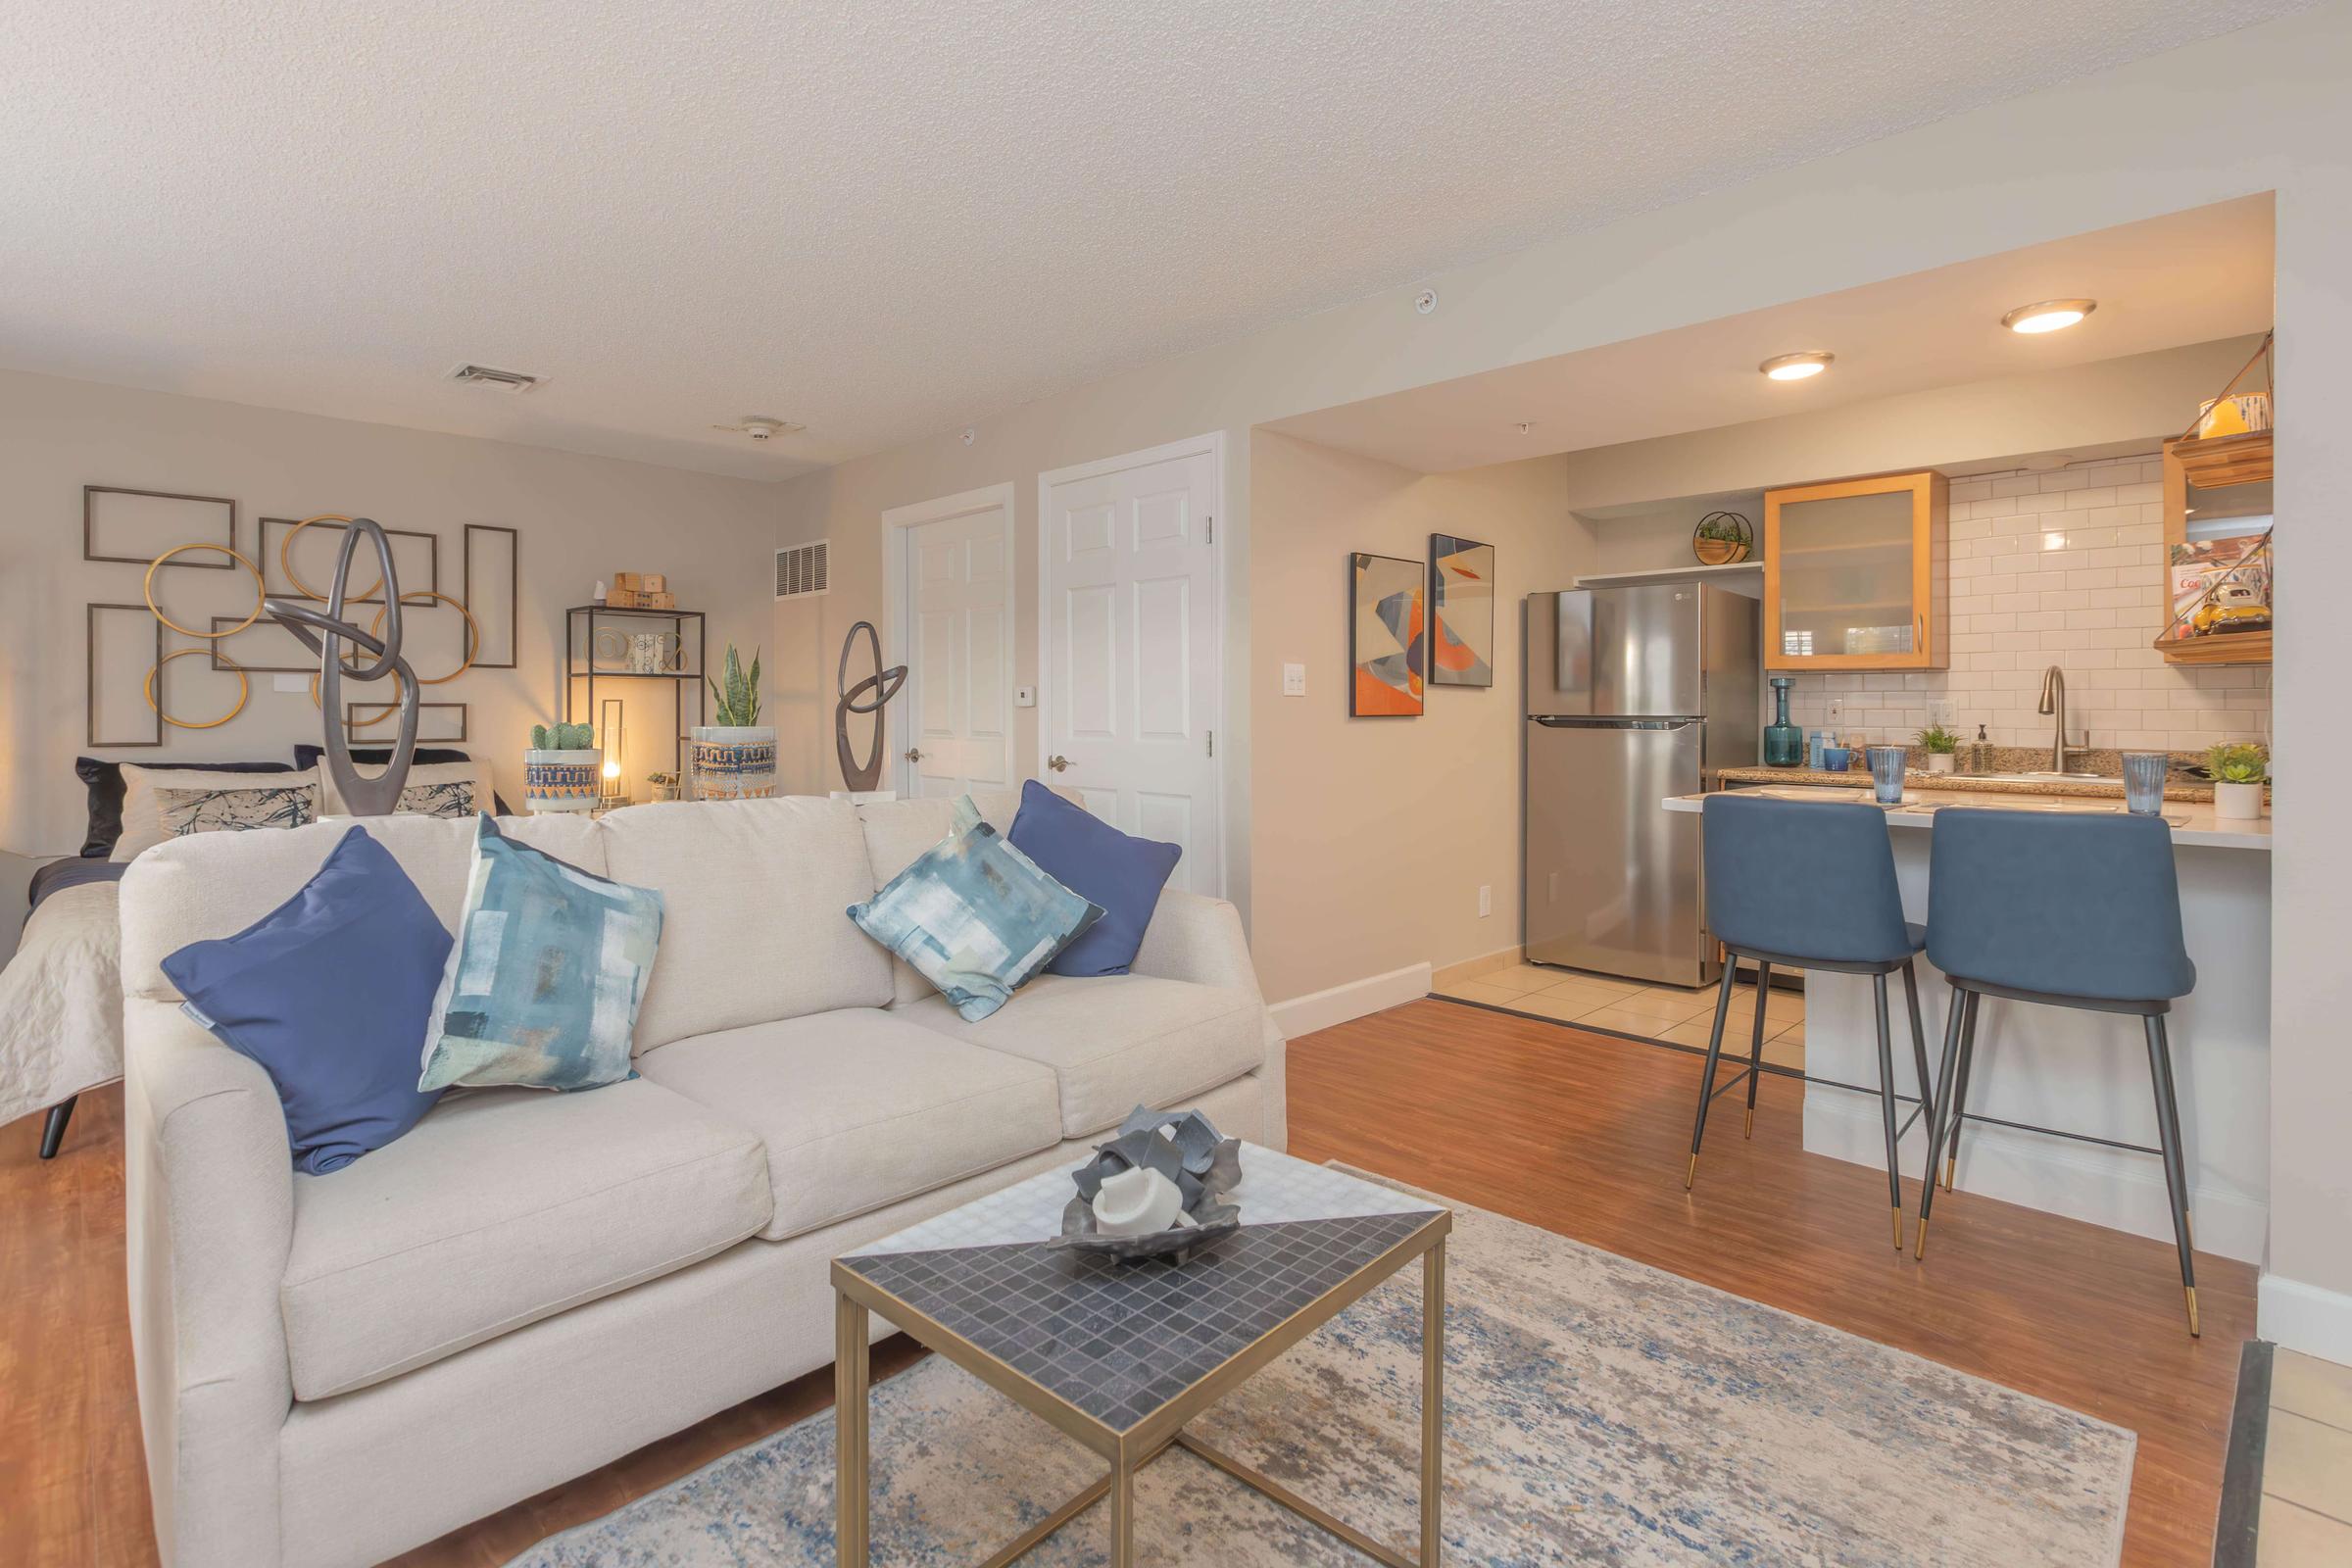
[{"x": 580, "y": 624}]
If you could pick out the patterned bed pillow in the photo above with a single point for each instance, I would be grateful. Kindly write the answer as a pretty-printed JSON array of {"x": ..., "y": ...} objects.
[
  {"x": 543, "y": 981},
  {"x": 975, "y": 916},
  {"x": 181, "y": 812},
  {"x": 450, "y": 798},
  {"x": 142, "y": 811}
]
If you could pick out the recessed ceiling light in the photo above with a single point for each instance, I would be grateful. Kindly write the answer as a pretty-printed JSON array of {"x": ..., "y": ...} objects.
[
  {"x": 2051, "y": 316},
  {"x": 1795, "y": 366}
]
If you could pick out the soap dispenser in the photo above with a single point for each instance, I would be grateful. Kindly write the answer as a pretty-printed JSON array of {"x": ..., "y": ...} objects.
[{"x": 1979, "y": 754}]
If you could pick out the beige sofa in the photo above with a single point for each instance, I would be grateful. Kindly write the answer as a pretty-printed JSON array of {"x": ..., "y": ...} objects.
[{"x": 333, "y": 1369}]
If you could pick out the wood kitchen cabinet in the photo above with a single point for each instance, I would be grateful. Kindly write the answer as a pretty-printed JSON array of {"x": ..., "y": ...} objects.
[{"x": 1855, "y": 575}]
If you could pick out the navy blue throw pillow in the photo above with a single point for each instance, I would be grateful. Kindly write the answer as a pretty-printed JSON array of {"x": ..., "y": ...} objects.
[
  {"x": 331, "y": 993},
  {"x": 1121, "y": 874}
]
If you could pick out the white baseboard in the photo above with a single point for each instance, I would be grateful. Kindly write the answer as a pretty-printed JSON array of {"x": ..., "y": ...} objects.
[
  {"x": 1320, "y": 1009},
  {"x": 2120, "y": 1191},
  {"x": 2304, "y": 1317}
]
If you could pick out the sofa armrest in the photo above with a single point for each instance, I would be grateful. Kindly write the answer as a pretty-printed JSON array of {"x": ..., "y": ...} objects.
[
  {"x": 209, "y": 1189},
  {"x": 1197, "y": 938}
]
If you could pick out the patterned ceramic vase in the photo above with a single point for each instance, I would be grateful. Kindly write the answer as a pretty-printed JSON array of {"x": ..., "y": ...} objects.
[
  {"x": 563, "y": 781},
  {"x": 734, "y": 761}
]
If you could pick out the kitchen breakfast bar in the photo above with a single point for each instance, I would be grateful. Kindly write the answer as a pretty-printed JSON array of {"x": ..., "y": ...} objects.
[{"x": 2043, "y": 1070}]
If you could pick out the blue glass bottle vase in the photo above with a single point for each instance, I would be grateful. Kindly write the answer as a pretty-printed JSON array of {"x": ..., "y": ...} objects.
[{"x": 1784, "y": 742}]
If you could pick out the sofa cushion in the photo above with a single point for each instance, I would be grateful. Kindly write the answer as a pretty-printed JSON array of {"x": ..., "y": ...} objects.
[
  {"x": 216, "y": 884},
  {"x": 1117, "y": 1041},
  {"x": 858, "y": 1108},
  {"x": 501, "y": 1207},
  {"x": 752, "y": 894}
]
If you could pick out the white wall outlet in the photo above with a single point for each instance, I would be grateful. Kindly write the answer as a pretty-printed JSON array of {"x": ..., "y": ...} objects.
[
  {"x": 1486, "y": 900},
  {"x": 1024, "y": 696},
  {"x": 1294, "y": 680}
]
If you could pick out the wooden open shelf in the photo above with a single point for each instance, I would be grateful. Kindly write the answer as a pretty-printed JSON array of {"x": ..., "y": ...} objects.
[
  {"x": 2225, "y": 460},
  {"x": 2225, "y": 648}
]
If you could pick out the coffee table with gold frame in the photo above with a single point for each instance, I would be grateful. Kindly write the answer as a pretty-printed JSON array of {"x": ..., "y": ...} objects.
[{"x": 1121, "y": 1355}]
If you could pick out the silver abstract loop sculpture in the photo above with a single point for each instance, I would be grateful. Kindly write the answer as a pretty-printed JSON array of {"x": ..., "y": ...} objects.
[
  {"x": 324, "y": 632},
  {"x": 884, "y": 684}
]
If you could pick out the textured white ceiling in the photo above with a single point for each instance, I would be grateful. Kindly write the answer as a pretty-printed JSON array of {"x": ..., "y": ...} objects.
[{"x": 882, "y": 219}]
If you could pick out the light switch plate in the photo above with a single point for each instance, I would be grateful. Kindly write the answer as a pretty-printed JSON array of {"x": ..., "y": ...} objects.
[
  {"x": 1486, "y": 900},
  {"x": 1024, "y": 696},
  {"x": 1294, "y": 680}
]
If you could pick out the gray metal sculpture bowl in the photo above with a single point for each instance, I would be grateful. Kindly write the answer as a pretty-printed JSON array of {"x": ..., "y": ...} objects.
[{"x": 1186, "y": 1147}]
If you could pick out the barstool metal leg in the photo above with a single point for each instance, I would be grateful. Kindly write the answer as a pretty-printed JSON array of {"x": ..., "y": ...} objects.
[
  {"x": 1755, "y": 1046},
  {"x": 53, "y": 1131},
  {"x": 1706, "y": 1082},
  {"x": 1959, "y": 1094},
  {"x": 1894, "y": 1170},
  {"x": 1919, "y": 1052},
  {"x": 1937, "y": 1129},
  {"x": 2175, "y": 1165}
]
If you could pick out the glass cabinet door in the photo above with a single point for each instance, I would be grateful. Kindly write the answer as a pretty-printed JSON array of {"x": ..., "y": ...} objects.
[{"x": 1849, "y": 574}]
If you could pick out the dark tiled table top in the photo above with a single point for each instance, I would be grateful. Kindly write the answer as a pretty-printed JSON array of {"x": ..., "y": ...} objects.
[{"x": 1119, "y": 1341}]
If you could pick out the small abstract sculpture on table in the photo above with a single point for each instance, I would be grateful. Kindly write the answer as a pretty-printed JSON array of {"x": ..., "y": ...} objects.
[
  {"x": 324, "y": 632},
  {"x": 1156, "y": 1189},
  {"x": 884, "y": 684}
]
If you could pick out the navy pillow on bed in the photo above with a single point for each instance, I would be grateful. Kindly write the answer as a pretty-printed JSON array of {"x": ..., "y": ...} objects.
[
  {"x": 1120, "y": 873},
  {"x": 330, "y": 992}
]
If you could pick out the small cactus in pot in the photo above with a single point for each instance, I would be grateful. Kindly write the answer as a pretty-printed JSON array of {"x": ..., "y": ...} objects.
[{"x": 564, "y": 768}]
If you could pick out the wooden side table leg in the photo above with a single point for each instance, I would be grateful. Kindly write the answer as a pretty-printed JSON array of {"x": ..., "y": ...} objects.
[
  {"x": 851, "y": 1366},
  {"x": 1123, "y": 1511},
  {"x": 1433, "y": 1397}
]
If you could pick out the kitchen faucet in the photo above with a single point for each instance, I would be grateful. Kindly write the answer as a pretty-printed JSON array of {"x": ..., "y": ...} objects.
[{"x": 2053, "y": 701}]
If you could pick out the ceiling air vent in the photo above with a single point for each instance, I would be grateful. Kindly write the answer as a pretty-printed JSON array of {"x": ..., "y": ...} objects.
[
  {"x": 495, "y": 380},
  {"x": 802, "y": 570}
]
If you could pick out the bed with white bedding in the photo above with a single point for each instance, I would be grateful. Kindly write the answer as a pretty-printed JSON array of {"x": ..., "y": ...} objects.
[{"x": 61, "y": 996}]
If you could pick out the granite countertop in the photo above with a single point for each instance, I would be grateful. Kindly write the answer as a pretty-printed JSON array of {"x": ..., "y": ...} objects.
[
  {"x": 1920, "y": 778},
  {"x": 2192, "y": 821}
]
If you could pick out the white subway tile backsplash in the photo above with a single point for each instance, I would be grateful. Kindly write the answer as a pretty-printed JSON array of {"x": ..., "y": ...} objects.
[{"x": 2063, "y": 569}]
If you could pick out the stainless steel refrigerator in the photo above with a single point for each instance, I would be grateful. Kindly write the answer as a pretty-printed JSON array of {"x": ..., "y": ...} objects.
[{"x": 1633, "y": 695}]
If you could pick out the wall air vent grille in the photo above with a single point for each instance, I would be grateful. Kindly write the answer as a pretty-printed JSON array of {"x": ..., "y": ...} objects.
[
  {"x": 802, "y": 571},
  {"x": 495, "y": 380}
]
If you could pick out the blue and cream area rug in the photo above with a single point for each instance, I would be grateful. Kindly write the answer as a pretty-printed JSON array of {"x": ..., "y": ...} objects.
[{"x": 1598, "y": 1411}]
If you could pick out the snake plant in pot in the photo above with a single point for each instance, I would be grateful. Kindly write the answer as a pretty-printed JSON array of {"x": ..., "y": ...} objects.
[
  {"x": 563, "y": 770},
  {"x": 735, "y": 758}
]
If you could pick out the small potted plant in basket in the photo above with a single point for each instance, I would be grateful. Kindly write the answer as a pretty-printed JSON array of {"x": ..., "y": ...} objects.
[
  {"x": 1721, "y": 539},
  {"x": 2240, "y": 769},
  {"x": 735, "y": 758},
  {"x": 564, "y": 768},
  {"x": 1941, "y": 745}
]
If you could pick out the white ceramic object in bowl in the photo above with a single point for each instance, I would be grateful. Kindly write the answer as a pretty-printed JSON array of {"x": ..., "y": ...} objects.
[
  {"x": 1136, "y": 1201},
  {"x": 2240, "y": 802}
]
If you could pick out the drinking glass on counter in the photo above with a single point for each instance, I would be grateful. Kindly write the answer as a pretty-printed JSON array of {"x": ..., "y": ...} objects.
[
  {"x": 2143, "y": 781},
  {"x": 1886, "y": 764}
]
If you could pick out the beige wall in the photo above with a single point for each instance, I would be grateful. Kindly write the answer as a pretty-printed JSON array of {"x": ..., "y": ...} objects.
[
  {"x": 581, "y": 518},
  {"x": 2110, "y": 148},
  {"x": 1373, "y": 835}
]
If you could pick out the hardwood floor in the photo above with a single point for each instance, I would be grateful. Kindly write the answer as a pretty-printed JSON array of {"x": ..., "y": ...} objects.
[{"x": 1582, "y": 1134}]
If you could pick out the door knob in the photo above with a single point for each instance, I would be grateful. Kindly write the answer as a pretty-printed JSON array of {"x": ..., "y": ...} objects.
[
  {"x": 1057, "y": 763},
  {"x": 914, "y": 753}
]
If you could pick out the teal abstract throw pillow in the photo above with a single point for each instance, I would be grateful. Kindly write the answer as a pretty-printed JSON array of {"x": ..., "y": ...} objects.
[
  {"x": 543, "y": 982},
  {"x": 975, "y": 916}
]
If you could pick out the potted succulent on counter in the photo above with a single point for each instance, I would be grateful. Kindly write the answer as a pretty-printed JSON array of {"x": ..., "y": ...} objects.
[
  {"x": 1941, "y": 745},
  {"x": 2240, "y": 769},
  {"x": 735, "y": 758},
  {"x": 564, "y": 768}
]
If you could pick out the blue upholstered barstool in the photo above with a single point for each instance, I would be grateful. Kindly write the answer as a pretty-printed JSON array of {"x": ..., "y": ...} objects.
[
  {"x": 2073, "y": 911},
  {"x": 1808, "y": 885}
]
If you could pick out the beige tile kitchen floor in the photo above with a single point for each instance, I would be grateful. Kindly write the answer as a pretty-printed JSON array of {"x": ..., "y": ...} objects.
[
  {"x": 1672, "y": 1014},
  {"x": 2306, "y": 1517}
]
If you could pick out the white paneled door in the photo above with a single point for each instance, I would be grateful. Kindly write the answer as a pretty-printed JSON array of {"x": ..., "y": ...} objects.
[
  {"x": 954, "y": 718},
  {"x": 1130, "y": 652}
]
